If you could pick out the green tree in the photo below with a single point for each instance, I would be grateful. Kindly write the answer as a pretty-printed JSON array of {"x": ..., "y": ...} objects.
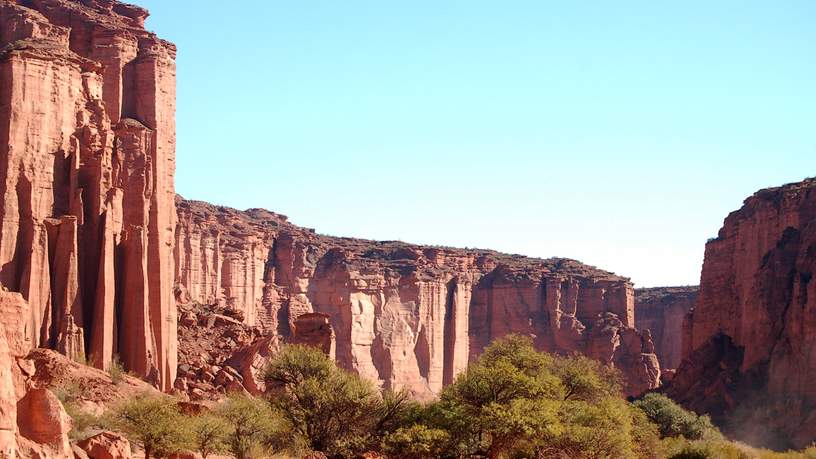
[
  {"x": 586, "y": 379},
  {"x": 153, "y": 421},
  {"x": 673, "y": 420},
  {"x": 507, "y": 398},
  {"x": 416, "y": 442},
  {"x": 327, "y": 409},
  {"x": 249, "y": 421},
  {"x": 602, "y": 429},
  {"x": 208, "y": 434}
]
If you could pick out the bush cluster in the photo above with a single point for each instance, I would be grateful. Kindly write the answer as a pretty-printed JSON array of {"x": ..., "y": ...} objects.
[{"x": 513, "y": 402}]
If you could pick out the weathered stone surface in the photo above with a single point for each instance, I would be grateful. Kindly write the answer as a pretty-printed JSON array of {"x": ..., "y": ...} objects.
[
  {"x": 42, "y": 419},
  {"x": 314, "y": 329},
  {"x": 748, "y": 343},
  {"x": 106, "y": 445},
  {"x": 402, "y": 315},
  {"x": 661, "y": 310},
  {"x": 8, "y": 400},
  {"x": 87, "y": 216}
]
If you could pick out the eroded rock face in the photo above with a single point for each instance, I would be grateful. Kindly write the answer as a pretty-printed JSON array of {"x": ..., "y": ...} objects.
[
  {"x": 87, "y": 146},
  {"x": 661, "y": 310},
  {"x": 42, "y": 419},
  {"x": 748, "y": 343},
  {"x": 402, "y": 315}
]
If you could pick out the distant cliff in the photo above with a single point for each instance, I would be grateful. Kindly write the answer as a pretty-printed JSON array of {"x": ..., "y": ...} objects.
[
  {"x": 405, "y": 315},
  {"x": 749, "y": 343},
  {"x": 661, "y": 310}
]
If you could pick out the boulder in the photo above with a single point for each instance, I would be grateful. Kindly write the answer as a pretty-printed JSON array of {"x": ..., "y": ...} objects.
[{"x": 106, "y": 445}]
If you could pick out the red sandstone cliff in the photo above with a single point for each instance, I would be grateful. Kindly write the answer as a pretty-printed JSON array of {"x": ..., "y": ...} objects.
[
  {"x": 87, "y": 150},
  {"x": 748, "y": 344},
  {"x": 405, "y": 315},
  {"x": 661, "y": 310}
]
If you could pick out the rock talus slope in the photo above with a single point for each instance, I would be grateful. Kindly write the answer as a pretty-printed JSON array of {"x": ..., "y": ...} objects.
[
  {"x": 87, "y": 150},
  {"x": 404, "y": 315},
  {"x": 749, "y": 343}
]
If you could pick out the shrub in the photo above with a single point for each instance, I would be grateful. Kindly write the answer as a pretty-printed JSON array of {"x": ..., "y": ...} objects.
[
  {"x": 416, "y": 442},
  {"x": 673, "y": 420},
  {"x": 154, "y": 421},
  {"x": 208, "y": 434},
  {"x": 249, "y": 422},
  {"x": 116, "y": 371},
  {"x": 326, "y": 409},
  {"x": 83, "y": 422},
  {"x": 507, "y": 398}
]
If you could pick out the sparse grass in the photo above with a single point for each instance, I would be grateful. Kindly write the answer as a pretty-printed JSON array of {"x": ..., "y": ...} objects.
[{"x": 84, "y": 423}]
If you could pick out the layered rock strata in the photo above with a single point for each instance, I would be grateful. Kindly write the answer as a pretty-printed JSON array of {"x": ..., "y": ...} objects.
[
  {"x": 87, "y": 146},
  {"x": 661, "y": 310},
  {"x": 404, "y": 315},
  {"x": 748, "y": 344}
]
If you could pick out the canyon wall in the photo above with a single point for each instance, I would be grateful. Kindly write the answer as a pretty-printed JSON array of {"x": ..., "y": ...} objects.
[
  {"x": 661, "y": 310},
  {"x": 87, "y": 151},
  {"x": 404, "y": 315},
  {"x": 749, "y": 343}
]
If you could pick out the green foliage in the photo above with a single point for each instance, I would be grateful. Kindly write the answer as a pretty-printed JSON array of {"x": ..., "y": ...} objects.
[
  {"x": 517, "y": 402},
  {"x": 416, "y": 442},
  {"x": 249, "y": 424},
  {"x": 673, "y": 420},
  {"x": 601, "y": 429},
  {"x": 507, "y": 398},
  {"x": 325, "y": 408},
  {"x": 680, "y": 448},
  {"x": 154, "y": 421},
  {"x": 83, "y": 422},
  {"x": 586, "y": 379},
  {"x": 208, "y": 434}
]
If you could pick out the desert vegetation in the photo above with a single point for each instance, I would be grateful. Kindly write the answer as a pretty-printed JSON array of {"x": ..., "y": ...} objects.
[{"x": 513, "y": 402}]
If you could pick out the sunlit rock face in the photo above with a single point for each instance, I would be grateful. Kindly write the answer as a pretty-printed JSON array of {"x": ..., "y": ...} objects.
[
  {"x": 661, "y": 310},
  {"x": 87, "y": 159},
  {"x": 400, "y": 314},
  {"x": 748, "y": 344}
]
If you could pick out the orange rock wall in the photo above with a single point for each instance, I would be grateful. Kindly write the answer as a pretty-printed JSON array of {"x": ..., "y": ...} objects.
[
  {"x": 748, "y": 343},
  {"x": 404, "y": 315},
  {"x": 87, "y": 150},
  {"x": 661, "y": 310}
]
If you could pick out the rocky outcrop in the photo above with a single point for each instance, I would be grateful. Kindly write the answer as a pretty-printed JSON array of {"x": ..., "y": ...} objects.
[
  {"x": 33, "y": 422},
  {"x": 217, "y": 352},
  {"x": 748, "y": 344},
  {"x": 314, "y": 329},
  {"x": 42, "y": 419},
  {"x": 402, "y": 315},
  {"x": 87, "y": 146},
  {"x": 106, "y": 445},
  {"x": 661, "y": 310}
]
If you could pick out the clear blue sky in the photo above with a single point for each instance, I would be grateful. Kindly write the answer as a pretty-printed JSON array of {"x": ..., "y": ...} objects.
[{"x": 617, "y": 133}]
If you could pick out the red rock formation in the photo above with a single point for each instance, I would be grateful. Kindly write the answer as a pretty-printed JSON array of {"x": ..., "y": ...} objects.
[
  {"x": 661, "y": 310},
  {"x": 42, "y": 419},
  {"x": 106, "y": 445},
  {"x": 314, "y": 329},
  {"x": 403, "y": 315},
  {"x": 87, "y": 140},
  {"x": 748, "y": 345},
  {"x": 33, "y": 422}
]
